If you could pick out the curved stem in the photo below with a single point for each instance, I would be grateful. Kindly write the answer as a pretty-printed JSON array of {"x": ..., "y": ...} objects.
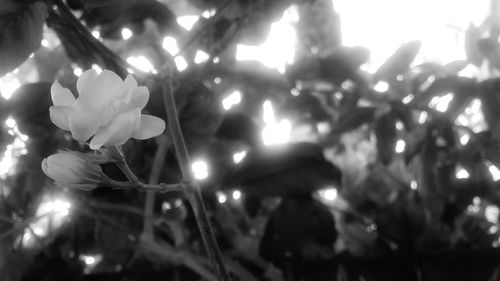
[{"x": 193, "y": 193}]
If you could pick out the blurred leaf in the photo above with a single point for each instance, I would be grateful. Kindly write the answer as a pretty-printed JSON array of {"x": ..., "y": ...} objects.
[
  {"x": 280, "y": 170},
  {"x": 490, "y": 101},
  {"x": 238, "y": 127},
  {"x": 472, "y": 36},
  {"x": 354, "y": 118},
  {"x": 399, "y": 62},
  {"x": 300, "y": 229},
  {"x": 385, "y": 131},
  {"x": 21, "y": 27},
  {"x": 491, "y": 51}
]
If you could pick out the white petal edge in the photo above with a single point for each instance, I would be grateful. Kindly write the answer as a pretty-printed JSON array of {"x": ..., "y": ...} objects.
[
  {"x": 59, "y": 115},
  {"x": 61, "y": 96},
  {"x": 150, "y": 126},
  {"x": 85, "y": 80}
]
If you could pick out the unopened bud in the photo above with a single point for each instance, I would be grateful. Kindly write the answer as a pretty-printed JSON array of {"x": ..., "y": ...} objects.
[{"x": 73, "y": 170}]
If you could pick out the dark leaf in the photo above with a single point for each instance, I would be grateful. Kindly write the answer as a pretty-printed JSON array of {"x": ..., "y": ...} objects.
[
  {"x": 490, "y": 100},
  {"x": 21, "y": 27},
  {"x": 353, "y": 119},
  {"x": 238, "y": 127},
  {"x": 491, "y": 51},
  {"x": 283, "y": 170},
  {"x": 385, "y": 131},
  {"x": 399, "y": 62}
]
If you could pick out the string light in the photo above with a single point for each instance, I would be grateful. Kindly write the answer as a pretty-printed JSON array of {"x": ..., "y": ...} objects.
[
  {"x": 233, "y": 99},
  {"x": 127, "y": 33},
  {"x": 236, "y": 195},
  {"x": 170, "y": 45},
  {"x": 381, "y": 87},
  {"x": 414, "y": 185},
  {"x": 142, "y": 63},
  {"x": 187, "y": 22},
  {"x": 441, "y": 103},
  {"x": 400, "y": 146},
  {"x": 181, "y": 63},
  {"x": 200, "y": 57},
  {"x": 97, "y": 68},
  {"x": 221, "y": 197},
  {"x": 239, "y": 156},
  {"x": 494, "y": 172},
  {"x": 462, "y": 173},
  {"x": 200, "y": 169}
]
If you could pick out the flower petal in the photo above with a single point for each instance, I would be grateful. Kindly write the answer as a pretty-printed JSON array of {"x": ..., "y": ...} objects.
[
  {"x": 85, "y": 81},
  {"x": 83, "y": 124},
  {"x": 61, "y": 96},
  {"x": 60, "y": 116},
  {"x": 118, "y": 131},
  {"x": 139, "y": 99},
  {"x": 150, "y": 126},
  {"x": 98, "y": 92}
]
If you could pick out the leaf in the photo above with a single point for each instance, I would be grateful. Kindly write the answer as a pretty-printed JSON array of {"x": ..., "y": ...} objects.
[
  {"x": 491, "y": 50},
  {"x": 298, "y": 168},
  {"x": 353, "y": 119},
  {"x": 490, "y": 101},
  {"x": 399, "y": 62},
  {"x": 20, "y": 32},
  {"x": 385, "y": 131}
]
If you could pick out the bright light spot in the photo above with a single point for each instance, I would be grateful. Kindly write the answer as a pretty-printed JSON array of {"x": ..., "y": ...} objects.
[
  {"x": 295, "y": 92},
  {"x": 77, "y": 71},
  {"x": 476, "y": 200},
  {"x": 491, "y": 213},
  {"x": 216, "y": 60},
  {"x": 328, "y": 194},
  {"x": 181, "y": 63},
  {"x": 217, "y": 80},
  {"x": 414, "y": 185},
  {"x": 96, "y": 34},
  {"x": 239, "y": 156},
  {"x": 391, "y": 23},
  {"x": 381, "y": 86},
  {"x": 422, "y": 117},
  {"x": 274, "y": 132},
  {"x": 45, "y": 43},
  {"x": 200, "y": 170},
  {"x": 400, "y": 146},
  {"x": 231, "y": 100},
  {"x": 408, "y": 99},
  {"x": 464, "y": 139},
  {"x": 10, "y": 122},
  {"x": 323, "y": 128},
  {"x": 494, "y": 171},
  {"x": 142, "y": 63},
  {"x": 399, "y": 125},
  {"x": 474, "y": 207},
  {"x": 278, "y": 50},
  {"x": 441, "y": 103},
  {"x": 473, "y": 117},
  {"x": 97, "y": 68},
  {"x": 221, "y": 197},
  {"x": 236, "y": 195},
  {"x": 170, "y": 45},
  {"x": 462, "y": 173},
  {"x": 208, "y": 13},
  {"x": 127, "y": 33},
  {"x": 89, "y": 260},
  {"x": 187, "y": 22},
  {"x": 8, "y": 85},
  {"x": 200, "y": 57},
  {"x": 51, "y": 215}
]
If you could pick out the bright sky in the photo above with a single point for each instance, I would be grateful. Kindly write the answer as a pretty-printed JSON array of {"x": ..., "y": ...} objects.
[{"x": 383, "y": 25}]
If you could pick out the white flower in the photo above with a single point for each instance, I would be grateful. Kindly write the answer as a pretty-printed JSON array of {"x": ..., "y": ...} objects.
[{"x": 107, "y": 109}]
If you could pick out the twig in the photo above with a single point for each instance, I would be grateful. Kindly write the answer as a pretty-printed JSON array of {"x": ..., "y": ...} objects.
[
  {"x": 158, "y": 162},
  {"x": 193, "y": 194}
]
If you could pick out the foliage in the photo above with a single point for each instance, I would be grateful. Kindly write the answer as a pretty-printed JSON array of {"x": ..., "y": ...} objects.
[{"x": 412, "y": 150}]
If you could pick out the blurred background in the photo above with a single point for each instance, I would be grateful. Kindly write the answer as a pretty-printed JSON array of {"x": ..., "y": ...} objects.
[{"x": 332, "y": 139}]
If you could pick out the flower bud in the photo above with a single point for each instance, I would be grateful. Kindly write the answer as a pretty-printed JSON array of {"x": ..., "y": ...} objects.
[{"x": 73, "y": 170}]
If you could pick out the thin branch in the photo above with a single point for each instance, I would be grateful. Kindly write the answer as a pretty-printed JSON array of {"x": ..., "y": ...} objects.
[
  {"x": 158, "y": 162},
  {"x": 193, "y": 194}
]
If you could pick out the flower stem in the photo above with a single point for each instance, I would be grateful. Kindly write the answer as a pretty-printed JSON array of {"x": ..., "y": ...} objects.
[
  {"x": 117, "y": 155},
  {"x": 193, "y": 193}
]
